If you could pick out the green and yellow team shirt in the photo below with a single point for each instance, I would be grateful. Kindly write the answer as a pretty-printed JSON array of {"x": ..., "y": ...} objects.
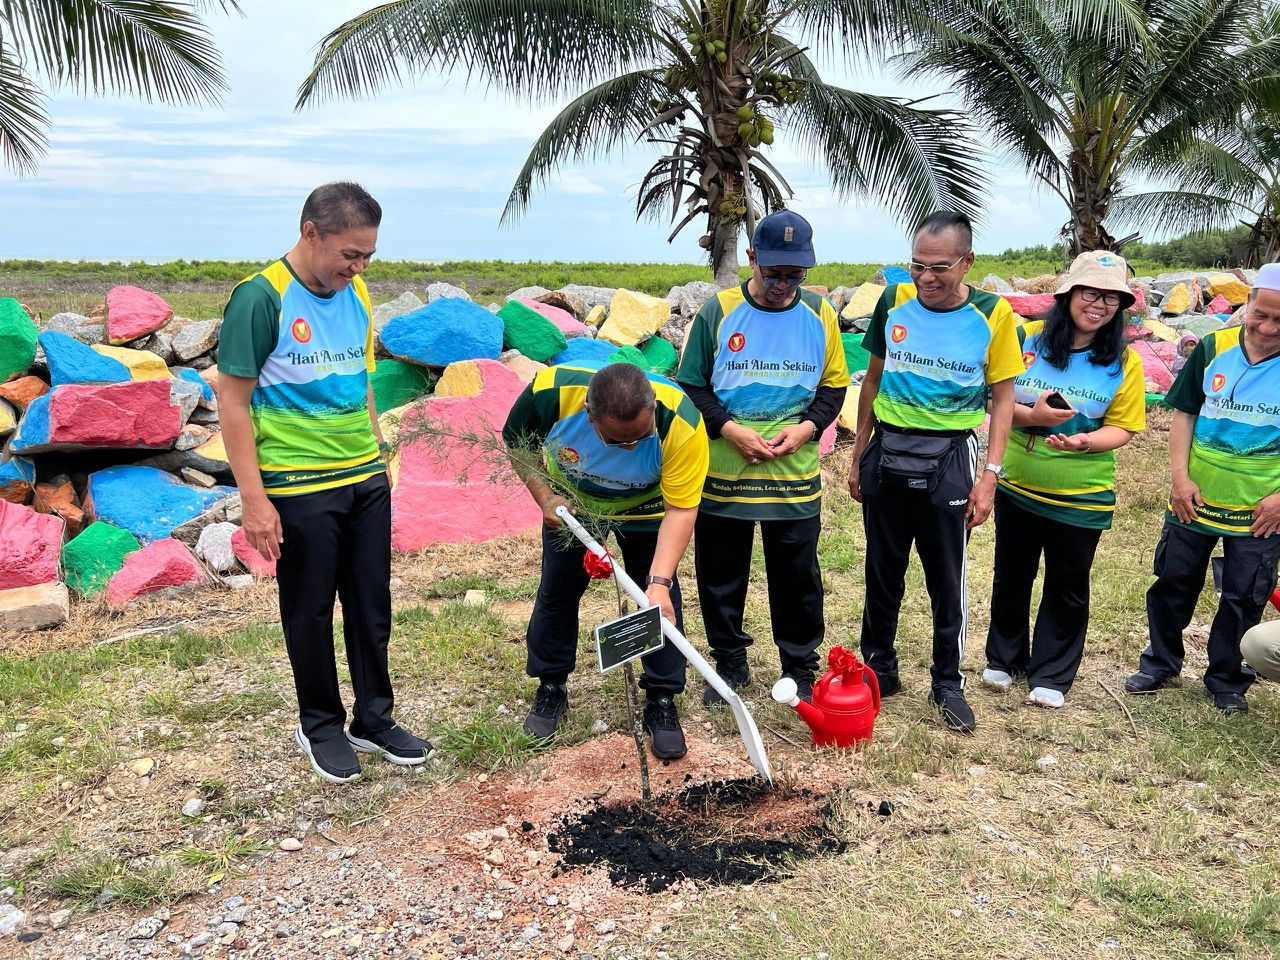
[
  {"x": 939, "y": 363},
  {"x": 1073, "y": 488},
  {"x": 311, "y": 357},
  {"x": 626, "y": 488},
  {"x": 1235, "y": 450},
  {"x": 765, "y": 366}
]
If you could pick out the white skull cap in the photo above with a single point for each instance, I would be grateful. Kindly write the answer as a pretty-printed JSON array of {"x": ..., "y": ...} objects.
[{"x": 1268, "y": 277}]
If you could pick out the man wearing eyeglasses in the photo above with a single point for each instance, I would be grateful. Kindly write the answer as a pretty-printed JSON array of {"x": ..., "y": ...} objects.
[
  {"x": 629, "y": 449},
  {"x": 940, "y": 350},
  {"x": 765, "y": 364}
]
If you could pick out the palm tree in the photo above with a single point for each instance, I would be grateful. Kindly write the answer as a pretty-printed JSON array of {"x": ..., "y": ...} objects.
[
  {"x": 1230, "y": 180},
  {"x": 1091, "y": 94},
  {"x": 706, "y": 83},
  {"x": 154, "y": 49}
]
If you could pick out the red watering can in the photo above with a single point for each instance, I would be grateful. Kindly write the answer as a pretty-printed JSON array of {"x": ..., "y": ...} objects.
[{"x": 845, "y": 701}]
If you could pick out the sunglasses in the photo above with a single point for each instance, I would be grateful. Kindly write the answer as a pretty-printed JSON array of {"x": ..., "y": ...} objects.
[
  {"x": 915, "y": 266},
  {"x": 623, "y": 444},
  {"x": 770, "y": 280}
]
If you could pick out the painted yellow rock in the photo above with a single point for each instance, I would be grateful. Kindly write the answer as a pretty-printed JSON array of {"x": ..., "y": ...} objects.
[
  {"x": 1177, "y": 302},
  {"x": 1162, "y": 331},
  {"x": 863, "y": 302},
  {"x": 461, "y": 378},
  {"x": 1226, "y": 285},
  {"x": 594, "y": 316},
  {"x": 8, "y": 418},
  {"x": 142, "y": 364},
  {"x": 634, "y": 317},
  {"x": 848, "y": 417}
]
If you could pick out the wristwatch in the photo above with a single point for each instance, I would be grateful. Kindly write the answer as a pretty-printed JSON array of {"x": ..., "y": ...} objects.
[
  {"x": 995, "y": 468},
  {"x": 664, "y": 581}
]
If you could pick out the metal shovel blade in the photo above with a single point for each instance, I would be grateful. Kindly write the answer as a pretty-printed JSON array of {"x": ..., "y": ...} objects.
[{"x": 746, "y": 725}]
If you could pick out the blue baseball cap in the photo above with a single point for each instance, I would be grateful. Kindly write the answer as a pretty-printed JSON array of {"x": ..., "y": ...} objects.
[{"x": 784, "y": 239}]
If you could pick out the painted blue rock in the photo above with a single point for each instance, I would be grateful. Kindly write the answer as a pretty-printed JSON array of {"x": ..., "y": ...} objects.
[
  {"x": 584, "y": 350},
  {"x": 206, "y": 391},
  {"x": 148, "y": 502},
  {"x": 443, "y": 332},
  {"x": 17, "y": 477},
  {"x": 888, "y": 275},
  {"x": 71, "y": 361},
  {"x": 33, "y": 428}
]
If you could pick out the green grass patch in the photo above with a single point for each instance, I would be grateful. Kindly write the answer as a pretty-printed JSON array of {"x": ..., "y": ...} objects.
[
  {"x": 456, "y": 587},
  {"x": 487, "y": 741}
]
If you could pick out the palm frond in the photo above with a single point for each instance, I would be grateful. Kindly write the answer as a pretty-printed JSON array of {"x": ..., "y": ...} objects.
[
  {"x": 1179, "y": 211},
  {"x": 538, "y": 51},
  {"x": 917, "y": 159},
  {"x": 593, "y": 124},
  {"x": 149, "y": 48},
  {"x": 23, "y": 120}
]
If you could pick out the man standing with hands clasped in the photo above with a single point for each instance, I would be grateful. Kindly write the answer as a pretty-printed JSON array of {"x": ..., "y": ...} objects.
[
  {"x": 1224, "y": 457},
  {"x": 940, "y": 350},
  {"x": 302, "y": 437},
  {"x": 765, "y": 364}
]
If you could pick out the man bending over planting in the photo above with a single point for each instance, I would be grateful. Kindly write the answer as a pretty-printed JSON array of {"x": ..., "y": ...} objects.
[{"x": 629, "y": 449}]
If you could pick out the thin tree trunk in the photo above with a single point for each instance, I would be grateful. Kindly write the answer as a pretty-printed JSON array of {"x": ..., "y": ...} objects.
[{"x": 726, "y": 271}]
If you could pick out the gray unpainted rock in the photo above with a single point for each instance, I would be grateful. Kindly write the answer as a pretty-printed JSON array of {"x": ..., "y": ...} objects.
[
  {"x": 161, "y": 344},
  {"x": 591, "y": 296},
  {"x": 202, "y": 362},
  {"x": 196, "y": 477},
  {"x": 227, "y": 509},
  {"x": 213, "y": 546},
  {"x": 186, "y": 396},
  {"x": 241, "y": 581},
  {"x": 23, "y": 609},
  {"x": 196, "y": 338},
  {"x": 526, "y": 293},
  {"x": 996, "y": 284},
  {"x": 439, "y": 289},
  {"x": 688, "y": 299},
  {"x": 204, "y": 417}
]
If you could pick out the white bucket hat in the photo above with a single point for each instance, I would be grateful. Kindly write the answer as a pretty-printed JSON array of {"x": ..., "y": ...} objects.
[{"x": 1100, "y": 270}]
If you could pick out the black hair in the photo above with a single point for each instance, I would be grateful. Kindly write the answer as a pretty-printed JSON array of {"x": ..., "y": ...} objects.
[
  {"x": 620, "y": 391},
  {"x": 339, "y": 206},
  {"x": 942, "y": 220},
  {"x": 1059, "y": 331}
]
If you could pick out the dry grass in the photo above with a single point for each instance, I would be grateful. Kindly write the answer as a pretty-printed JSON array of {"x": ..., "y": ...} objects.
[{"x": 1047, "y": 834}]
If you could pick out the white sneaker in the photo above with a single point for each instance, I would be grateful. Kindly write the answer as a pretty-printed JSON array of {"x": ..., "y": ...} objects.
[
  {"x": 997, "y": 678},
  {"x": 1046, "y": 697}
]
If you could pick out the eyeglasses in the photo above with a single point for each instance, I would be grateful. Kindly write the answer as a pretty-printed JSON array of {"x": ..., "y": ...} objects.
[
  {"x": 915, "y": 266},
  {"x": 770, "y": 280},
  {"x": 1089, "y": 295}
]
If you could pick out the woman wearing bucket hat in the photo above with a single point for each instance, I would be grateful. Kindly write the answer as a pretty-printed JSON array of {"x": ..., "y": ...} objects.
[{"x": 1081, "y": 398}]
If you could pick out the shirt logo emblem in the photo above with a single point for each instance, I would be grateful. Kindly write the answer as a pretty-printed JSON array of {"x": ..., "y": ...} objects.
[
  {"x": 1028, "y": 359},
  {"x": 1219, "y": 381},
  {"x": 898, "y": 333},
  {"x": 568, "y": 455},
  {"x": 301, "y": 330},
  {"x": 737, "y": 342}
]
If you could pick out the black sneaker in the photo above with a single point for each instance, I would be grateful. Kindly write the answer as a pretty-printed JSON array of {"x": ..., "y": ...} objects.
[
  {"x": 737, "y": 675},
  {"x": 1141, "y": 683},
  {"x": 1230, "y": 703},
  {"x": 395, "y": 744},
  {"x": 549, "y": 705},
  {"x": 663, "y": 727},
  {"x": 955, "y": 710},
  {"x": 804, "y": 684},
  {"x": 331, "y": 759},
  {"x": 889, "y": 683}
]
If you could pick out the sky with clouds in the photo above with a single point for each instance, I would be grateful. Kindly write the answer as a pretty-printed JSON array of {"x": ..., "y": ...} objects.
[{"x": 124, "y": 179}]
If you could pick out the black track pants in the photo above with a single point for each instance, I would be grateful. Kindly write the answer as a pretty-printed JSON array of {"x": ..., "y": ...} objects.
[
  {"x": 1051, "y": 657},
  {"x": 338, "y": 543}
]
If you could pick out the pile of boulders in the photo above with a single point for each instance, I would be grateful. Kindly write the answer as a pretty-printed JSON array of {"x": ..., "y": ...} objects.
[{"x": 115, "y": 478}]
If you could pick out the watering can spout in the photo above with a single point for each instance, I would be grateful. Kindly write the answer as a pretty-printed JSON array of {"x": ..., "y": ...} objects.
[{"x": 784, "y": 691}]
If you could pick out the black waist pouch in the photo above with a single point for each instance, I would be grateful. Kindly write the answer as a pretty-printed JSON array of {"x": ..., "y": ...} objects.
[{"x": 913, "y": 461}]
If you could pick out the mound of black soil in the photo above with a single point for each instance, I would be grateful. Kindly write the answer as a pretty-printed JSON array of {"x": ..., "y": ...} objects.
[{"x": 724, "y": 831}]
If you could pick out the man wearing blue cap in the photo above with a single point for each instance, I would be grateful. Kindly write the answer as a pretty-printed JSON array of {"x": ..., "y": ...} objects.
[
  {"x": 1224, "y": 460},
  {"x": 765, "y": 365}
]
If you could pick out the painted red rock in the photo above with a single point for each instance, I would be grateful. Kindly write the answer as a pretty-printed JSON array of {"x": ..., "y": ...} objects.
[
  {"x": 247, "y": 554},
  {"x": 1219, "y": 304},
  {"x": 1154, "y": 368},
  {"x": 564, "y": 321},
  {"x": 428, "y": 503},
  {"x": 136, "y": 413},
  {"x": 157, "y": 566},
  {"x": 30, "y": 544},
  {"x": 132, "y": 313},
  {"x": 1030, "y": 304},
  {"x": 1140, "y": 300}
]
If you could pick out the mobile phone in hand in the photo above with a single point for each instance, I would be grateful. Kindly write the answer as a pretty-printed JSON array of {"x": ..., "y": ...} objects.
[{"x": 1057, "y": 401}]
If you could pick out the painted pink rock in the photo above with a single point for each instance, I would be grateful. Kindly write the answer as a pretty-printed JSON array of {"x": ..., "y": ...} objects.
[
  {"x": 564, "y": 321},
  {"x": 1140, "y": 301},
  {"x": 1030, "y": 304},
  {"x": 247, "y": 554},
  {"x": 157, "y": 566},
  {"x": 1219, "y": 304},
  {"x": 1154, "y": 368},
  {"x": 133, "y": 313},
  {"x": 1137, "y": 331},
  {"x": 30, "y": 544},
  {"x": 428, "y": 504},
  {"x": 827, "y": 442},
  {"x": 136, "y": 413}
]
